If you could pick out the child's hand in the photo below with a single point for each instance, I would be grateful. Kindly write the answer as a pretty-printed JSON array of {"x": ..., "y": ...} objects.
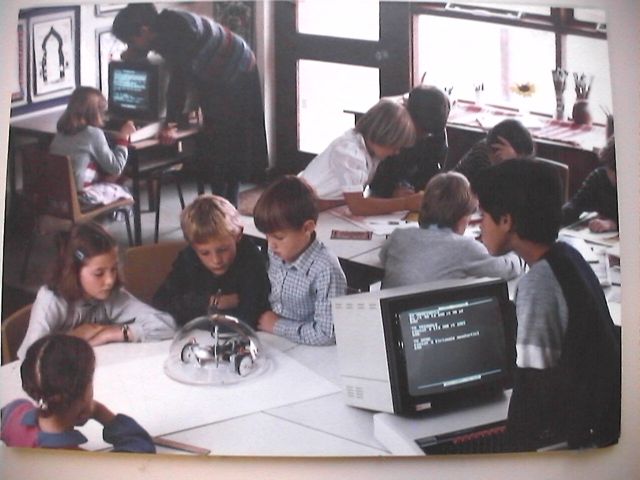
[
  {"x": 100, "y": 413},
  {"x": 228, "y": 301},
  {"x": 267, "y": 321},
  {"x": 413, "y": 202},
  {"x": 87, "y": 331},
  {"x": 403, "y": 190},
  {"x": 599, "y": 225},
  {"x": 502, "y": 150},
  {"x": 127, "y": 129}
]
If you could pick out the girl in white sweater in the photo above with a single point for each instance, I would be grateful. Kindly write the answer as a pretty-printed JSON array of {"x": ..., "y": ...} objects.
[{"x": 85, "y": 298}]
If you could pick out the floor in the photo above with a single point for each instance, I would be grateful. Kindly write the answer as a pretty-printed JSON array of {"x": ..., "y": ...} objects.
[{"x": 16, "y": 292}]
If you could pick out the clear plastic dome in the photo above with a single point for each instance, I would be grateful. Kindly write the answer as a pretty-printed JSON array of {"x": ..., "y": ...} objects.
[{"x": 215, "y": 350}]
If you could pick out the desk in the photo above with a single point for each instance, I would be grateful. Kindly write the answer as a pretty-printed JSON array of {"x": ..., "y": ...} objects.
[
  {"x": 307, "y": 418},
  {"x": 145, "y": 156}
]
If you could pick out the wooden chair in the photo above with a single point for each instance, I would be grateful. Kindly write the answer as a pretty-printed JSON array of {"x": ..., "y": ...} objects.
[
  {"x": 49, "y": 189},
  {"x": 147, "y": 266},
  {"x": 14, "y": 328},
  {"x": 563, "y": 172}
]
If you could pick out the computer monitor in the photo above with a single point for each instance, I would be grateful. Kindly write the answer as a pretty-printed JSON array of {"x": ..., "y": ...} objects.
[
  {"x": 411, "y": 349},
  {"x": 137, "y": 90}
]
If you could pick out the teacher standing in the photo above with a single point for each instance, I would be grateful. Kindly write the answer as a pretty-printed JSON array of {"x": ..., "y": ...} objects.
[{"x": 218, "y": 70}]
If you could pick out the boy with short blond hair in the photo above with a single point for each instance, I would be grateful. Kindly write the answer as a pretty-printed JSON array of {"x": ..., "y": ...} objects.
[
  {"x": 304, "y": 274},
  {"x": 220, "y": 267}
]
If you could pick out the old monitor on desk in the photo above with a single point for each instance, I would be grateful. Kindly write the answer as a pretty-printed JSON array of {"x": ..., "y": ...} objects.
[
  {"x": 412, "y": 349},
  {"x": 137, "y": 92}
]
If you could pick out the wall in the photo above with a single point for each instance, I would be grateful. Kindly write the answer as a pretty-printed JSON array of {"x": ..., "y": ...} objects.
[{"x": 619, "y": 462}]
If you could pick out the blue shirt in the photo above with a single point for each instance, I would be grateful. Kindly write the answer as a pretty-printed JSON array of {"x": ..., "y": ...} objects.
[{"x": 301, "y": 293}]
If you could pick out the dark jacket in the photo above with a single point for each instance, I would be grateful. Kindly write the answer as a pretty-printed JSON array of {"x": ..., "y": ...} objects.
[
  {"x": 186, "y": 291},
  {"x": 595, "y": 195}
]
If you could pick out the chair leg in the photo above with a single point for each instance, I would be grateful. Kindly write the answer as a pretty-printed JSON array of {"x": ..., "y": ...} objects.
[
  {"x": 127, "y": 222},
  {"x": 179, "y": 187},
  {"x": 157, "y": 202}
]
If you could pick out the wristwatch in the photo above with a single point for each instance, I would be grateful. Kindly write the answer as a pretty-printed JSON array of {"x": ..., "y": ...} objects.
[{"x": 125, "y": 333}]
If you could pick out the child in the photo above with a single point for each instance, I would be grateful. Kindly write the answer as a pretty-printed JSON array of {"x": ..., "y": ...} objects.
[
  {"x": 507, "y": 139},
  {"x": 598, "y": 193},
  {"x": 567, "y": 377},
  {"x": 439, "y": 249},
  {"x": 413, "y": 167},
  {"x": 220, "y": 267},
  {"x": 57, "y": 373},
  {"x": 95, "y": 165},
  {"x": 84, "y": 296},
  {"x": 304, "y": 275},
  {"x": 340, "y": 174}
]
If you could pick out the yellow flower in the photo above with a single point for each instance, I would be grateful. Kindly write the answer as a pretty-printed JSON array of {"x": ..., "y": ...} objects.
[{"x": 524, "y": 89}]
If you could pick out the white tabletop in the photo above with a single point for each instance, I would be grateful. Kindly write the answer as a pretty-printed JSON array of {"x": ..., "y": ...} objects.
[{"x": 295, "y": 408}]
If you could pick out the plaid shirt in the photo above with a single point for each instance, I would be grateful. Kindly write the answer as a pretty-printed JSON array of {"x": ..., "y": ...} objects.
[{"x": 301, "y": 294}]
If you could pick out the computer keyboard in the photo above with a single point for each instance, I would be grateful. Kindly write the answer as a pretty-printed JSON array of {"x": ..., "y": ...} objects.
[{"x": 487, "y": 438}]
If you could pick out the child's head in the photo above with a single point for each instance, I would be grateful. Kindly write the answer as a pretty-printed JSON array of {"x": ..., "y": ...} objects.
[
  {"x": 87, "y": 263},
  {"x": 131, "y": 22},
  {"x": 447, "y": 200},
  {"x": 87, "y": 106},
  {"x": 57, "y": 372},
  {"x": 515, "y": 133},
  {"x": 213, "y": 228},
  {"x": 387, "y": 127},
  {"x": 518, "y": 197},
  {"x": 287, "y": 213},
  {"x": 429, "y": 107}
]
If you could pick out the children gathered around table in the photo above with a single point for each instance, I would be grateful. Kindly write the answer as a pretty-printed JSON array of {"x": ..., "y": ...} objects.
[{"x": 566, "y": 382}]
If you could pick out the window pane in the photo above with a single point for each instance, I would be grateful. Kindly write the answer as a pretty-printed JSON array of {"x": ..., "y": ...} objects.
[
  {"x": 590, "y": 56},
  {"x": 590, "y": 15},
  {"x": 335, "y": 18},
  {"x": 498, "y": 58},
  {"x": 325, "y": 90}
]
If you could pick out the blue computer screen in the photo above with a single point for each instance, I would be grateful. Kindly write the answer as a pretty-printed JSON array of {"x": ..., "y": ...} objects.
[{"x": 129, "y": 89}]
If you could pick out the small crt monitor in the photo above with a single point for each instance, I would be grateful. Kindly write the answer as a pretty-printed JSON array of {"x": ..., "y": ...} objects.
[
  {"x": 137, "y": 90},
  {"x": 412, "y": 349}
]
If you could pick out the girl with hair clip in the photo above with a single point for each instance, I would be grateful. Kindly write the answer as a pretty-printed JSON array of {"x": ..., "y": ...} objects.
[
  {"x": 346, "y": 167},
  {"x": 57, "y": 373},
  {"x": 85, "y": 298},
  {"x": 95, "y": 165}
]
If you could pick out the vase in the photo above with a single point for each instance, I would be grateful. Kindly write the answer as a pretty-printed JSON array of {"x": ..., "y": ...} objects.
[{"x": 581, "y": 114}]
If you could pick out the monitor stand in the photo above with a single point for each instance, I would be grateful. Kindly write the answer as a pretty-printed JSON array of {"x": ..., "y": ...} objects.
[{"x": 399, "y": 434}]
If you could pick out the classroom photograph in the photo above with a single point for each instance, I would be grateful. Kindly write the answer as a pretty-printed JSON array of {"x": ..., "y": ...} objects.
[{"x": 319, "y": 230}]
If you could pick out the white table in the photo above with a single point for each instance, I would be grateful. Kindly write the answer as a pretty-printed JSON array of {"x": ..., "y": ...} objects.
[{"x": 271, "y": 423}]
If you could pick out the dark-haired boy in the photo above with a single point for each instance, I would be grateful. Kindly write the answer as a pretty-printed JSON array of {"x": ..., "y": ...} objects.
[
  {"x": 567, "y": 376},
  {"x": 304, "y": 274}
]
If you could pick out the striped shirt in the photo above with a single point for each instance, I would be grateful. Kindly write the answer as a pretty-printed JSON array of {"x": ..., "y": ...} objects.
[
  {"x": 210, "y": 51},
  {"x": 301, "y": 294}
]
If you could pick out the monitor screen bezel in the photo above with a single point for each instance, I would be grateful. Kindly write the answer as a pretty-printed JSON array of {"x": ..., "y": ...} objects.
[
  {"x": 406, "y": 403},
  {"x": 152, "y": 113}
]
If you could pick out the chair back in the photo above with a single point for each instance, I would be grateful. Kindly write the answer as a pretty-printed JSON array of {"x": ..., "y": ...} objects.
[
  {"x": 147, "y": 266},
  {"x": 14, "y": 329},
  {"x": 563, "y": 173},
  {"x": 49, "y": 185}
]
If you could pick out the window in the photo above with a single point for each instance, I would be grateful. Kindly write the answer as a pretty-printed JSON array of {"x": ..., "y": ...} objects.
[{"x": 492, "y": 47}]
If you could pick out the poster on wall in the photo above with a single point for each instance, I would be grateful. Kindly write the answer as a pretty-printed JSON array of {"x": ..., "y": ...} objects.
[
  {"x": 19, "y": 77},
  {"x": 54, "y": 55},
  {"x": 109, "y": 48}
]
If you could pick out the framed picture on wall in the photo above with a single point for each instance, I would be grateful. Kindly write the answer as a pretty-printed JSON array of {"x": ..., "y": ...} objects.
[
  {"x": 109, "y": 9},
  {"x": 54, "y": 54},
  {"x": 109, "y": 48},
  {"x": 19, "y": 77}
]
